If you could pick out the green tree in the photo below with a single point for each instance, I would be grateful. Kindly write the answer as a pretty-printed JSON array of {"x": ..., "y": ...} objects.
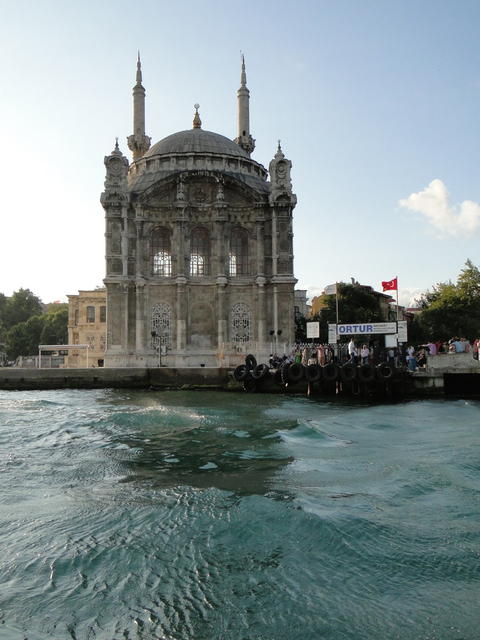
[
  {"x": 356, "y": 303},
  {"x": 451, "y": 309},
  {"x": 3, "y": 302},
  {"x": 55, "y": 327},
  {"x": 20, "y": 306}
]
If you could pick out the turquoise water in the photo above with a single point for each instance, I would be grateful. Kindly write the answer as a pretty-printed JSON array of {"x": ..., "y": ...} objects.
[{"x": 191, "y": 515}]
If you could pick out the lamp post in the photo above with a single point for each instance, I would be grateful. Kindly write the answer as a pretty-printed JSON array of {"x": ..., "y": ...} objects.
[{"x": 275, "y": 334}]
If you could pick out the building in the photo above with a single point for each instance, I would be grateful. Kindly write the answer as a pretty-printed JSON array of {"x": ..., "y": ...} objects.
[
  {"x": 388, "y": 310},
  {"x": 87, "y": 325},
  {"x": 199, "y": 257},
  {"x": 301, "y": 307}
]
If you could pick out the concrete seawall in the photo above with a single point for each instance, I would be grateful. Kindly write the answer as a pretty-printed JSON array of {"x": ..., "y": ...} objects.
[{"x": 178, "y": 378}]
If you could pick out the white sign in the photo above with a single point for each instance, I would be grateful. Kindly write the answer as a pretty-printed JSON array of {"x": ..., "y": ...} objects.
[
  {"x": 313, "y": 329},
  {"x": 332, "y": 333},
  {"x": 402, "y": 331},
  {"x": 390, "y": 340},
  {"x": 367, "y": 328}
]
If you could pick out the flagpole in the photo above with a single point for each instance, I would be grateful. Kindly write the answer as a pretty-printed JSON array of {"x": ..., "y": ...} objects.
[
  {"x": 397, "y": 299},
  {"x": 336, "y": 300}
]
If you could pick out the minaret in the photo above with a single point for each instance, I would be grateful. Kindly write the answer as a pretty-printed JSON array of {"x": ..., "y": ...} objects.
[
  {"x": 138, "y": 142},
  {"x": 244, "y": 139}
]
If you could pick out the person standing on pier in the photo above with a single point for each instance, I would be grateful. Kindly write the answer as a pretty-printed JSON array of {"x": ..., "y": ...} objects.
[{"x": 352, "y": 351}]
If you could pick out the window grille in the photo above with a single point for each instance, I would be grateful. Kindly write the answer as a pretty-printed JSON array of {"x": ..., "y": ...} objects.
[
  {"x": 161, "y": 253},
  {"x": 161, "y": 326},
  {"x": 199, "y": 252},
  {"x": 240, "y": 323},
  {"x": 238, "y": 256}
]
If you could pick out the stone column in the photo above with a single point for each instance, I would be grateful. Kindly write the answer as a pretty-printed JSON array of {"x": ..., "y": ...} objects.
[
  {"x": 181, "y": 313},
  {"x": 261, "y": 312},
  {"x": 222, "y": 329},
  {"x": 140, "y": 319},
  {"x": 260, "y": 247}
]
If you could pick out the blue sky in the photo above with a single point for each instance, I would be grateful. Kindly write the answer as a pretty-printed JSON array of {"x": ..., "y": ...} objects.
[{"x": 376, "y": 104}]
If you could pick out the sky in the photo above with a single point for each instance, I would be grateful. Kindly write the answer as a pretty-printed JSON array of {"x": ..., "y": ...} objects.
[{"x": 375, "y": 102}]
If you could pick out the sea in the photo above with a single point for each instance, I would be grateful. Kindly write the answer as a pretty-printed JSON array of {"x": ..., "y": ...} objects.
[{"x": 191, "y": 515}]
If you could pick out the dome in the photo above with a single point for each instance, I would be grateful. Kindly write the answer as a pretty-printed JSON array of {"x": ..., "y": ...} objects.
[{"x": 196, "y": 141}]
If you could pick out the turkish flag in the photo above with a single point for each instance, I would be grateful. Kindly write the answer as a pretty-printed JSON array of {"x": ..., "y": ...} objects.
[{"x": 390, "y": 285}]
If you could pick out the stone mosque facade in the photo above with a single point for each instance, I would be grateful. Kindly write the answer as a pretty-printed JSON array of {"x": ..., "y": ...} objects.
[{"x": 199, "y": 246}]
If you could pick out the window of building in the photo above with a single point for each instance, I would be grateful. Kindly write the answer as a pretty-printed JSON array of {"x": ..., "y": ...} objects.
[
  {"x": 76, "y": 318},
  {"x": 199, "y": 252},
  {"x": 103, "y": 314},
  {"x": 161, "y": 326},
  {"x": 161, "y": 253},
  {"x": 240, "y": 323},
  {"x": 90, "y": 314},
  {"x": 238, "y": 256}
]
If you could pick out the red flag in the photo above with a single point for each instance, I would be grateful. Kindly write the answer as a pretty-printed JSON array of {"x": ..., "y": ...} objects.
[{"x": 390, "y": 285}]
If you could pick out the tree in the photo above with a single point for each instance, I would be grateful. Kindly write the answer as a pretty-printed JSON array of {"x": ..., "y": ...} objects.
[
  {"x": 21, "y": 306},
  {"x": 24, "y": 337},
  {"x": 356, "y": 303},
  {"x": 451, "y": 309},
  {"x": 55, "y": 327}
]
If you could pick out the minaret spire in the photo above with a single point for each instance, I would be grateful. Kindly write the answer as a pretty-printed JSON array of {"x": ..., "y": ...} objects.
[
  {"x": 138, "y": 142},
  {"x": 244, "y": 139}
]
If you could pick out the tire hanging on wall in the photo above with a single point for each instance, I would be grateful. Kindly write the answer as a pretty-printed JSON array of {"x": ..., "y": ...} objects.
[
  {"x": 260, "y": 371},
  {"x": 296, "y": 372},
  {"x": 330, "y": 371},
  {"x": 241, "y": 373},
  {"x": 348, "y": 372},
  {"x": 313, "y": 373},
  {"x": 250, "y": 361},
  {"x": 385, "y": 371},
  {"x": 366, "y": 373},
  {"x": 284, "y": 373}
]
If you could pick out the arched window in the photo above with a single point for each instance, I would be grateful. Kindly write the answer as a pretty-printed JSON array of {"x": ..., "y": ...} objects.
[
  {"x": 161, "y": 326},
  {"x": 238, "y": 256},
  {"x": 240, "y": 323},
  {"x": 199, "y": 252},
  {"x": 161, "y": 252}
]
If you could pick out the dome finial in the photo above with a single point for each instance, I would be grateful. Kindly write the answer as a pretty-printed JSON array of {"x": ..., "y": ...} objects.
[
  {"x": 197, "y": 123},
  {"x": 243, "y": 74},
  {"x": 139, "y": 69}
]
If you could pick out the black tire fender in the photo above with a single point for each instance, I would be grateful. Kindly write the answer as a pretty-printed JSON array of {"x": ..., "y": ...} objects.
[
  {"x": 313, "y": 373},
  {"x": 284, "y": 373},
  {"x": 250, "y": 361},
  {"x": 366, "y": 373},
  {"x": 385, "y": 371},
  {"x": 260, "y": 371},
  {"x": 330, "y": 371},
  {"x": 296, "y": 372},
  {"x": 348, "y": 372},
  {"x": 241, "y": 373}
]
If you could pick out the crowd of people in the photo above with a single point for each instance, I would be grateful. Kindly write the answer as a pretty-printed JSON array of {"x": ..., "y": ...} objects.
[{"x": 413, "y": 357}]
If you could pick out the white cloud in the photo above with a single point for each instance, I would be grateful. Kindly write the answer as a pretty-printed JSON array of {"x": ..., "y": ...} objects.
[
  {"x": 407, "y": 297},
  {"x": 434, "y": 203}
]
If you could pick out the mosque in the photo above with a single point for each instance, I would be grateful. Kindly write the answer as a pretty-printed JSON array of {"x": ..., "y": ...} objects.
[{"x": 199, "y": 255}]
